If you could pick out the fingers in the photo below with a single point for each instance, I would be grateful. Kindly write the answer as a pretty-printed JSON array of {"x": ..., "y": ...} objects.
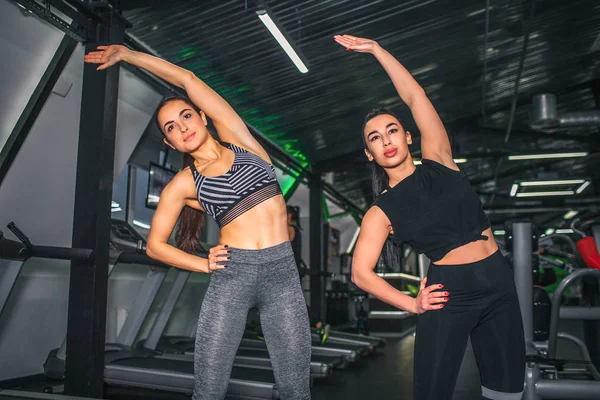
[
  {"x": 423, "y": 283},
  {"x": 431, "y": 288},
  {"x": 217, "y": 256},
  {"x": 102, "y": 47},
  {"x": 104, "y": 66},
  {"x": 345, "y": 41}
]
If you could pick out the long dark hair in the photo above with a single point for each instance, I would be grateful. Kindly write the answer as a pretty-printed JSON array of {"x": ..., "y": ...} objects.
[
  {"x": 191, "y": 221},
  {"x": 391, "y": 253}
]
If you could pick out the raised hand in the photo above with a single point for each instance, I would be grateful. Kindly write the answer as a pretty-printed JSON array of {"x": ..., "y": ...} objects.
[
  {"x": 427, "y": 299},
  {"x": 355, "y": 43},
  {"x": 216, "y": 257},
  {"x": 106, "y": 55}
]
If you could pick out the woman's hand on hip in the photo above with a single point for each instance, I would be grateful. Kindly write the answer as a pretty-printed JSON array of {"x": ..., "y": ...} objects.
[
  {"x": 216, "y": 257},
  {"x": 107, "y": 55},
  {"x": 430, "y": 298}
]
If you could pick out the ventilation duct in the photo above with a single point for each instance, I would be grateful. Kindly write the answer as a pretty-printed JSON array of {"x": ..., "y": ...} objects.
[{"x": 545, "y": 116}]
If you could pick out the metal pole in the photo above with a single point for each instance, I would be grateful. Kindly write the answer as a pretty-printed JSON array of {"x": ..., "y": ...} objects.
[
  {"x": 86, "y": 322},
  {"x": 523, "y": 270}
]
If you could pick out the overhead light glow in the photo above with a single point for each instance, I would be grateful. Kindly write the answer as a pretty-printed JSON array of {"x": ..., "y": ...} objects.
[
  {"x": 287, "y": 47},
  {"x": 546, "y": 156},
  {"x": 583, "y": 186},
  {"x": 553, "y": 183},
  {"x": 555, "y": 193},
  {"x": 456, "y": 161},
  {"x": 499, "y": 232},
  {"x": 514, "y": 189},
  {"x": 141, "y": 224},
  {"x": 564, "y": 231},
  {"x": 549, "y": 231},
  {"x": 570, "y": 214}
]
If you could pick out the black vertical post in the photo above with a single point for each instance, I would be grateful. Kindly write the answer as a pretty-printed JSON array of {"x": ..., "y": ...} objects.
[
  {"x": 86, "y": 324},
  {"x": 317, "y": 285}
]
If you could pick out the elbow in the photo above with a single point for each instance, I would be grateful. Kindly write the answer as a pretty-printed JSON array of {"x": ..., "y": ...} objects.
[
  {"x": 415, "y": 96},
  {"x": 151, "y": 250},
  {"x": 357, "y": 279},
  {"x": 187, "y": 78}
]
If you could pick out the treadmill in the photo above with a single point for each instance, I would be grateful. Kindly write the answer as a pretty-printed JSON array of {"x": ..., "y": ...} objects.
[
  {"x": 182, "y": 348},
  {"x": 125, "y": 365}
]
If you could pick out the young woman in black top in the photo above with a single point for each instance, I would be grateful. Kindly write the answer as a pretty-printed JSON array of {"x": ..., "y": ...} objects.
[{"x": 433, "y": 208}]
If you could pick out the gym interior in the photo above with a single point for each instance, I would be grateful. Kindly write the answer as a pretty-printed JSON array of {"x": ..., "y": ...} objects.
[{"x": 85, "y": 313}]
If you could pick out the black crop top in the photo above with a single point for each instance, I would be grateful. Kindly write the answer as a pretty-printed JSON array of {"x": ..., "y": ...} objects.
[{"x": 434, "y": 210}]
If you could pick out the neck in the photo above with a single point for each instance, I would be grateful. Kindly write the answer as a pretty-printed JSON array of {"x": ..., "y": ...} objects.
[
  {"x": 208, "y": 152},
  {"x": 401, "y": 171}
]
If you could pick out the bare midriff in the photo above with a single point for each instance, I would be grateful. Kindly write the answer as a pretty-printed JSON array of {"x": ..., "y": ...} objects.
[
  {"x": 264, "y": 225},
  {"x": 471, "y": 252}
]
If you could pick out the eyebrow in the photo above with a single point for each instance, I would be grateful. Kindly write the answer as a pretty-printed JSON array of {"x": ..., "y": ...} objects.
[
  {"x": 386, "y": 127},
  {"x": 180, "y": 112}
]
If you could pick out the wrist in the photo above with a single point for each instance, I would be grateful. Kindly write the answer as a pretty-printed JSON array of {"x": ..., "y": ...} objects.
[
  {"x": 203, "y": 267},
  {"x": 128, "y": 56},
  {"x": 377, "y": 50},
  {"x": 413, "y": 306}
]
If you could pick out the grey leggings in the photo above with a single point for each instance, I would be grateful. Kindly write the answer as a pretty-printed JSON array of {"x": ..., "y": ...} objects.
[{"x": 268, "y": 280}]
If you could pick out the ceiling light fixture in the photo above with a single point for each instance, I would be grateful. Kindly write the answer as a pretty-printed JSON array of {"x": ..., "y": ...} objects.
[
  {"x": 266, "y": 17},
  {"x": 546, "y": 156},
  {"x": 570, "y": 214},
  {"x": 552, "y": 193},
  {"x": 456, "y": 161}
]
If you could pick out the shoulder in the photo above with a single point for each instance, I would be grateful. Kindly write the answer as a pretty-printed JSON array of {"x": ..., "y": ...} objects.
[
  {"x": 238, "y": 148},
  {"x": 181, "y": 185},
  {"x": 376, "y": 217},
  {"x": 446, "y": 167}
]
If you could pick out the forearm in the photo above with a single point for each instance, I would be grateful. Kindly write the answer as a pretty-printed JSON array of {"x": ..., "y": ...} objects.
[
  {"x": 371, "y": 283},
  {"x": 406, "y": 86},
  {"x": 175, "y": 257},
  {"x": 171, "y": 73}
]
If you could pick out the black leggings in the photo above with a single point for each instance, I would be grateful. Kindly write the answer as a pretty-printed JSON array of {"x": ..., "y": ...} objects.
[{"x": 482, "y": 303}]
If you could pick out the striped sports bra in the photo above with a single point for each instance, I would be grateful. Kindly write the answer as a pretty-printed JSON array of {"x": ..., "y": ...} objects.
[{"x": 250, "y": 181}]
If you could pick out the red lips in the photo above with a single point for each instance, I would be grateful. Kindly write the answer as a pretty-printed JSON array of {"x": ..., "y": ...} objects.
[
  {"x": 390, "y": 152},
  {"x": 189, "y": 137}
]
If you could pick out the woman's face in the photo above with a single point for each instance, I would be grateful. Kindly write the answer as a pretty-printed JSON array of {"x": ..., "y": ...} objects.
[
  {"x": 387, "y": 142},
  {"x": 184, "y": 128}
]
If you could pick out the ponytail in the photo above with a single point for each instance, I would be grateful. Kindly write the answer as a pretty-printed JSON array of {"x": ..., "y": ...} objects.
[{"x": 191, "y": 222}]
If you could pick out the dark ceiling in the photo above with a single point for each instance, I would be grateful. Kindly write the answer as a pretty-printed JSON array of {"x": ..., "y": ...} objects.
[{"x": 317, "y": 116}]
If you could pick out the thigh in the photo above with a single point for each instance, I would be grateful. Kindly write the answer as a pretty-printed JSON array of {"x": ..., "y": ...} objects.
[
  {"x": 440, "y": 342},
  {"x": 499, "y": 347},
  {"x": 285, "y": 325},
  {"x": 220, "y": 329}
]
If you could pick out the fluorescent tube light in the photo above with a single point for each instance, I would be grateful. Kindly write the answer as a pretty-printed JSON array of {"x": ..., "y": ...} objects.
[
  {"x": 582, "y": 187},
  {"x": 546, "y": 156},
  {"x": 456, "y": 161},
  {"x": 553, "y": 183},
  {"x": 564, "y": 231},
  {"x": 514, "y": 189},
  {"x": 570, "y": 214},
  {"x": 141, "y": 224},
  {"x": 555, "y": 193},
  {"x": 499, "y": 232},
  {"x": 265, "y": 18}
]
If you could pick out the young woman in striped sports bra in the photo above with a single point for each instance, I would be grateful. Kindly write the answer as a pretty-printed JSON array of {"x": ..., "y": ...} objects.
[{"x": 233, "y": 182}]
